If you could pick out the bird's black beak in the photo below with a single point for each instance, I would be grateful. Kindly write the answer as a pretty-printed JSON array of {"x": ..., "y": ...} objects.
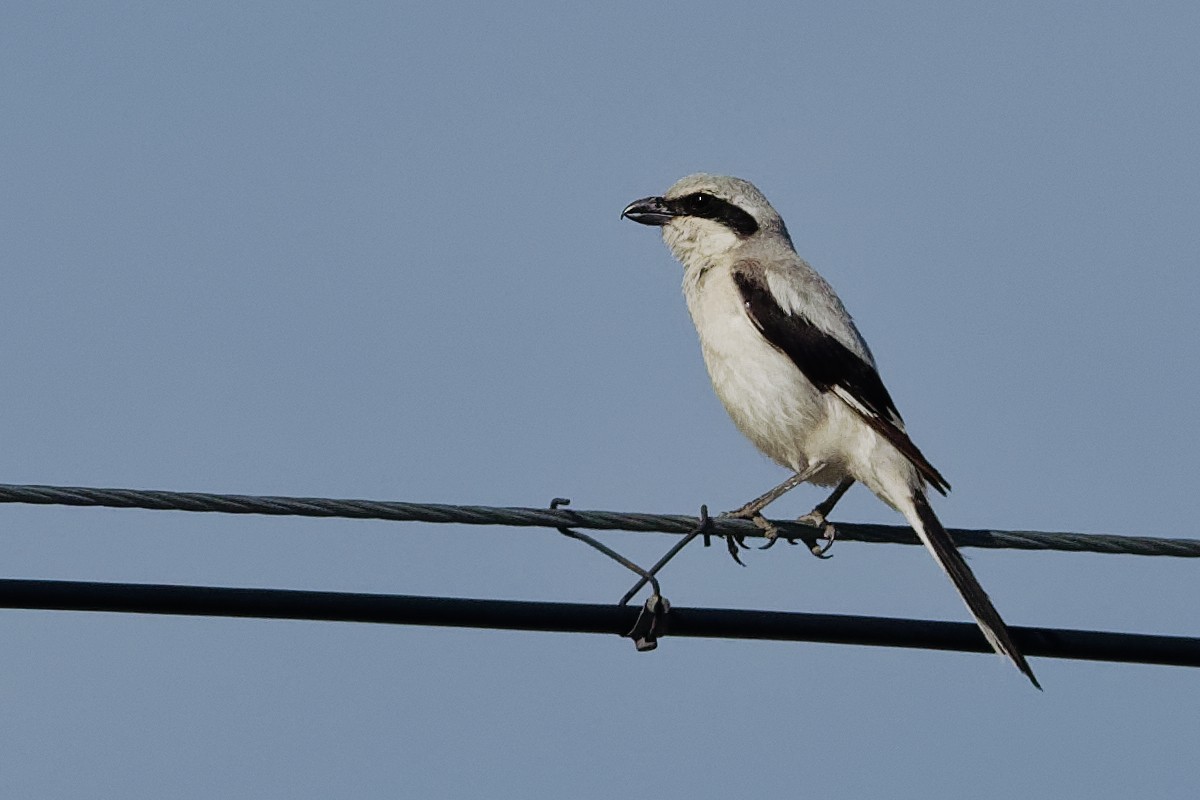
[{"x": 650, "y": 211}]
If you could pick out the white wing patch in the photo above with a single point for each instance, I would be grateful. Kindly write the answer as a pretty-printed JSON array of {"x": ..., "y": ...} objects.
[{"x": 856, "y": 404}]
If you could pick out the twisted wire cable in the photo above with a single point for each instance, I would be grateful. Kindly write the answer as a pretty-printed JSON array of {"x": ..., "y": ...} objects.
[{"x": 573, "y": 518}]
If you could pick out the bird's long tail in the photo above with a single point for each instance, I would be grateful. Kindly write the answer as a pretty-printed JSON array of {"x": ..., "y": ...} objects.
[{"x": 921, "y": 517}]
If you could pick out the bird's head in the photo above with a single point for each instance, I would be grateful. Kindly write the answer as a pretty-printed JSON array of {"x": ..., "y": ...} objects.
[{"x": 704, "y": 217}]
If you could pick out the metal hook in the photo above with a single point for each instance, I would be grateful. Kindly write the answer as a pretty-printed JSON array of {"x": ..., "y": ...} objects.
[{"x": 608, "y": 551}]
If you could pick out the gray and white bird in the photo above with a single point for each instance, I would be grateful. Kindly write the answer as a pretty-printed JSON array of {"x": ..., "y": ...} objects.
[{"x": 793, "y": 371}]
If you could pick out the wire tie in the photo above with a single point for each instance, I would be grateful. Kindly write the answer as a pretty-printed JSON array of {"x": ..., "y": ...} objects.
[{"x": 651, "y": 624}]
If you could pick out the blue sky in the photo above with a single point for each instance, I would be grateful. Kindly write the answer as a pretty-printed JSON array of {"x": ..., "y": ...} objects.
[{"x": 373, "y": 250}]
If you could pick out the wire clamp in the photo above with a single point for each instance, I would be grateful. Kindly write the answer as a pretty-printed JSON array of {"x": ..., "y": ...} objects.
[{"x": 651, "y": 624}]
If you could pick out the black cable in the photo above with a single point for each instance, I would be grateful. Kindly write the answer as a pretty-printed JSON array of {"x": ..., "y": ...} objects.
[
  {"x": 585, "y": 618},
  {"x": 572, "y": 518}
]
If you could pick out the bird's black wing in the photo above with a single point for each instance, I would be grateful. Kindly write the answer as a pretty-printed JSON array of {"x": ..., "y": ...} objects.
[{"x": 831, "y": 367}]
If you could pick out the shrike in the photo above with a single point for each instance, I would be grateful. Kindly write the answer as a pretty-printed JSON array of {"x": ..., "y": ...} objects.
[{"x": 793, "y": 371}]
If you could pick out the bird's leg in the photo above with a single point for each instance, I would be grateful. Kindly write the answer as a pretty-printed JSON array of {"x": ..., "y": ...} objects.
[
  {"x": 753, "y": 510},
  {"x": 818, "y": 518}
]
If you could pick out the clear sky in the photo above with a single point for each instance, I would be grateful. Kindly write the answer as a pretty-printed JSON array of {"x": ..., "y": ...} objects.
[{"x": 373, "y": 250}]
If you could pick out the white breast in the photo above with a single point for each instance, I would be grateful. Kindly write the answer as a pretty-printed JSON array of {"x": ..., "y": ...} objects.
[{"x": 769, "y": 399}]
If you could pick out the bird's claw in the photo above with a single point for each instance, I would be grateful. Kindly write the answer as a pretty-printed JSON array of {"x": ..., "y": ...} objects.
[
  {"x": 772, "y": 535},
  {"x": 733, "y": 541},
  {"x": 828, "y": 533}
]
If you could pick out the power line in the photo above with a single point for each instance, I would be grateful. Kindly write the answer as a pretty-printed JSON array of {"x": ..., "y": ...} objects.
[
  {"x": 571, "y": 518},
  {"x": 585, "y": 618}
]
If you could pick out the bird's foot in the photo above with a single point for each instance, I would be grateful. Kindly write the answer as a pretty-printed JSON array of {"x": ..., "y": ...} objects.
[
  {"x": 772, "y": 535},
  {"x": 816, "y": 518},
  {"x": 752, "y": 512}
]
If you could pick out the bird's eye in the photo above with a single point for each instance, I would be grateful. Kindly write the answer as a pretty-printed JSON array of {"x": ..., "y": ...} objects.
[{"x": 699, "y": 203}]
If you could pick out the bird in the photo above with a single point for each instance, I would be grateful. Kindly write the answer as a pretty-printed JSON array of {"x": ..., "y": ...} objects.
[{"x": 795, "y": 375}]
